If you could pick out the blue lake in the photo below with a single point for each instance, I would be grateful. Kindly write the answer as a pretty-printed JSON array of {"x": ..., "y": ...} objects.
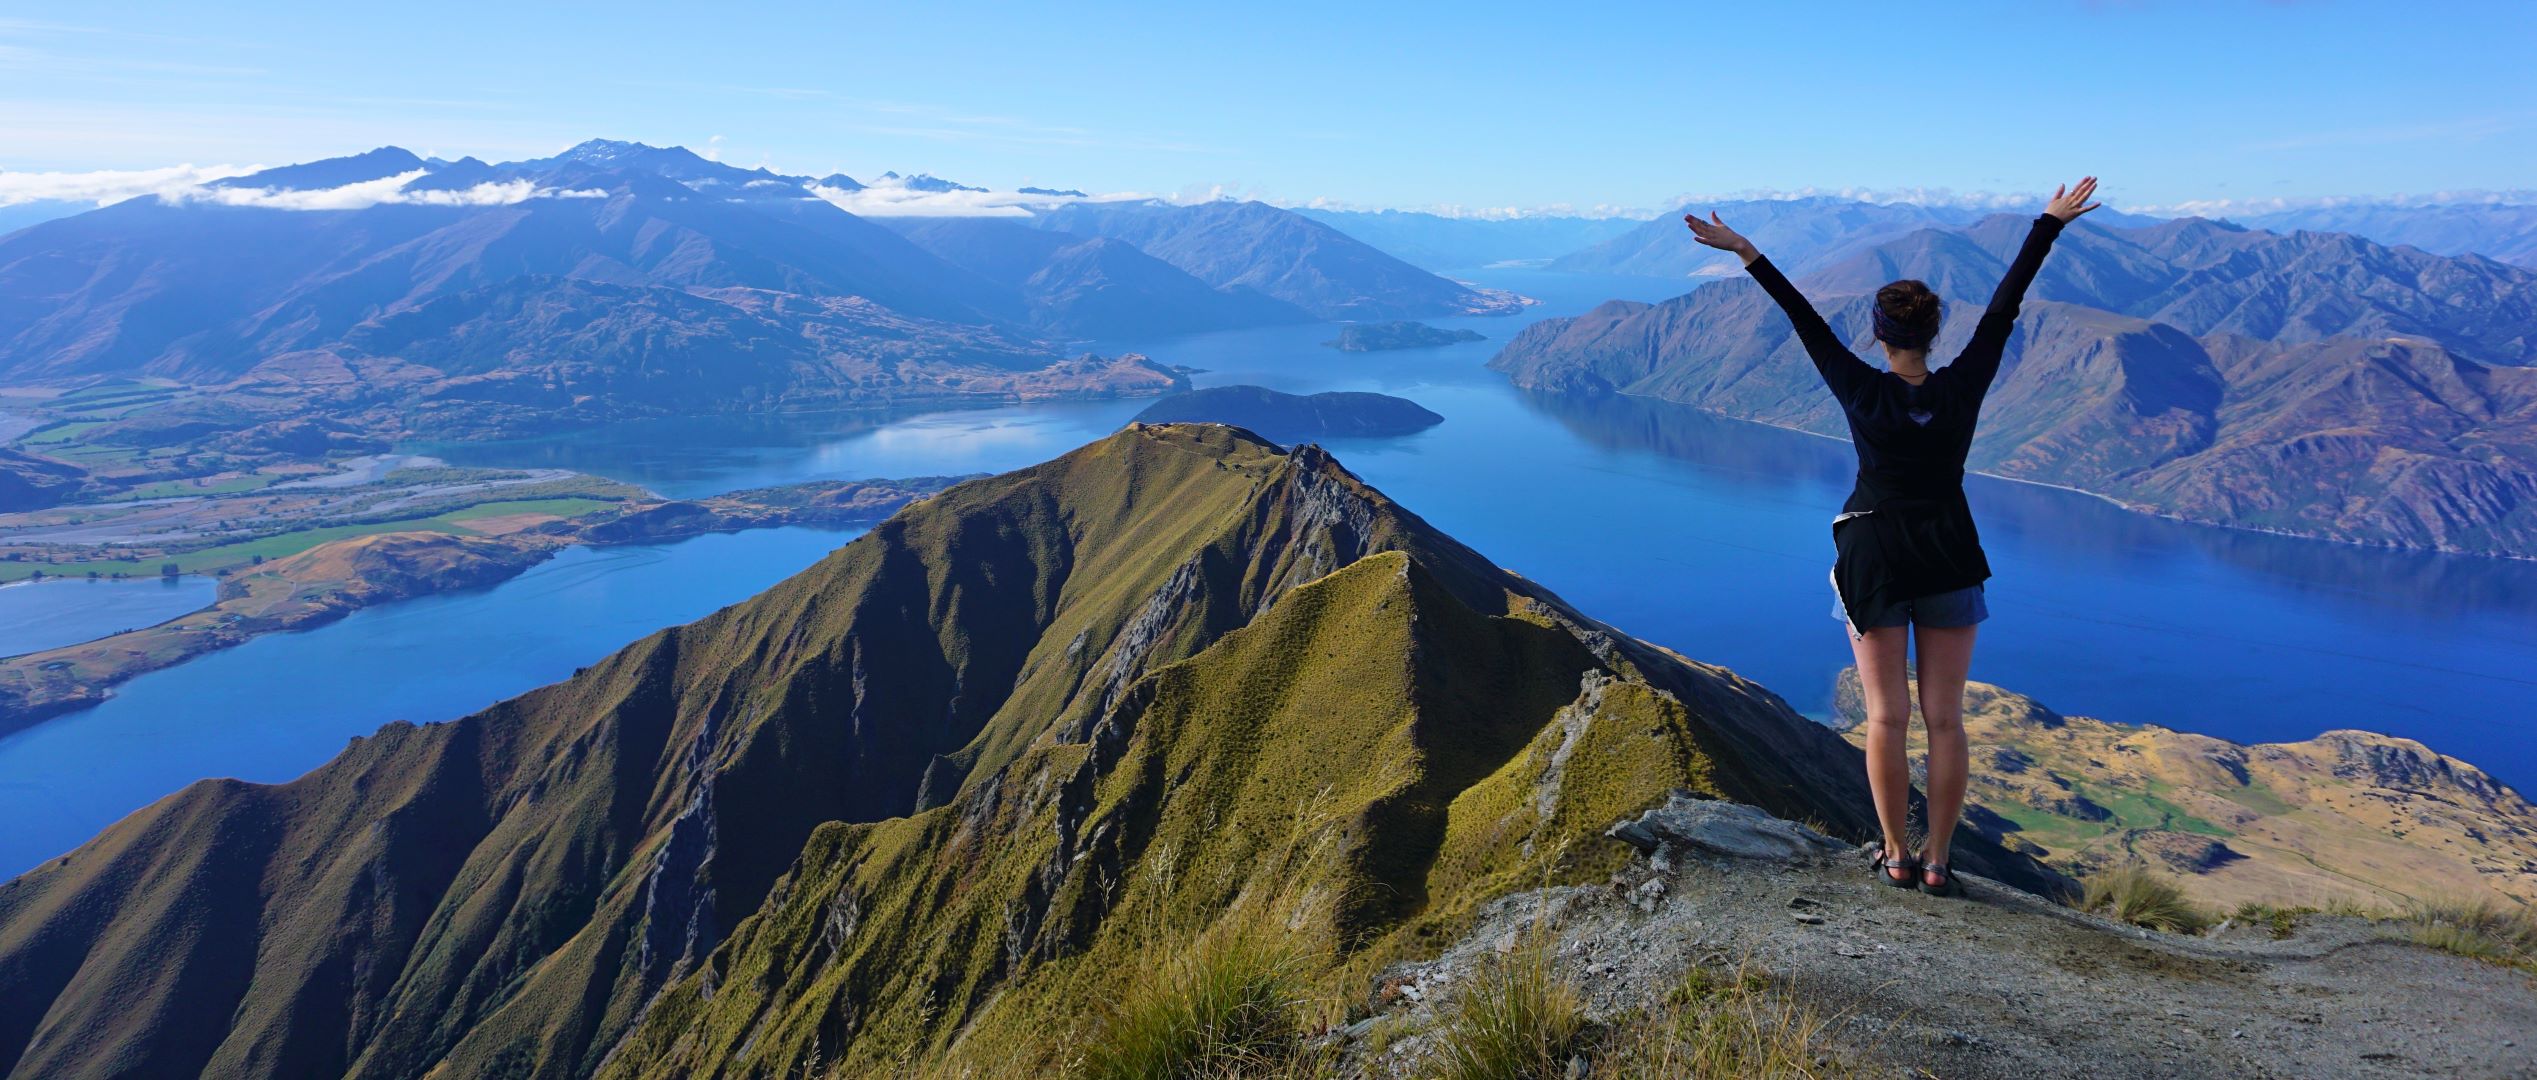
[
  {"x": 279, "y": 705},
  {"x": 39, "y": 615},
  {"x": 1707, "y": 535}
]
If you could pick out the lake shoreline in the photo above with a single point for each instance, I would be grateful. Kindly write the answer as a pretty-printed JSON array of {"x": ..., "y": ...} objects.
[
  {"x": 336, "y": 578},
  {"x": 2143, "y": 509}
]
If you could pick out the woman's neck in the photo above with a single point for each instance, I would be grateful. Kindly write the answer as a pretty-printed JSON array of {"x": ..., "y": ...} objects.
[{"x": 1908, "y": 363}]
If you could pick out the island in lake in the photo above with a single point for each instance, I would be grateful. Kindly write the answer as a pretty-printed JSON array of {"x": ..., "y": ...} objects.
[
  {"x": 1294, "y": 418},
  {"x": 1403, "y": 334}
]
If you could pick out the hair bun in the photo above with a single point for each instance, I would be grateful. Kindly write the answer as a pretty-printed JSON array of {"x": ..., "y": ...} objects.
[{"x": 1907, "y": 314}]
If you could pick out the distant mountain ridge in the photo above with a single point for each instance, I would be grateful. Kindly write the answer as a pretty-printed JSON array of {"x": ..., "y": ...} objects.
[
  {"x": 1442, "y": 243},
  {"x": 1279, "y": 254},
  {"x": 2501, "y": 230},
  {"x": 2316, "y": 384},
  {"x": 1802, "y": 234},
  {"x": 336, "y": 265}
]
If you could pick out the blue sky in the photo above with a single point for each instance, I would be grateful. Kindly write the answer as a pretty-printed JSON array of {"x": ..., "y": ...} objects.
[{"x": 1472, "y": 105}]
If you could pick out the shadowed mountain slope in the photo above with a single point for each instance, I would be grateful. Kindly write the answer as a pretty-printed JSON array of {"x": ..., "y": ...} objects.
[
  {"x": 1091, "y": 286},
  {"x": 938, "y": 753},
  {"x": 1280, "y": 254}
]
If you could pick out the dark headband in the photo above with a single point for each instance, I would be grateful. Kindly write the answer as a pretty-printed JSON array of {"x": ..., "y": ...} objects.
[{"x": 1893, "y": 332}]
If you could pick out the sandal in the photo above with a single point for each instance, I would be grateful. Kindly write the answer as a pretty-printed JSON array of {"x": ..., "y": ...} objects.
[
  {"x": 1947, "y": 883},
  {"x": 1882, "y": 867}
]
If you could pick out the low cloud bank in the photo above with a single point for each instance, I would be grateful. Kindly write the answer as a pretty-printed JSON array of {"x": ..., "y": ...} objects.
[
  {"x": 194, "y": 184},
  {"x": 2249, "y": 207},
  {"x": 368, "y": 193},
  {"x": 891, "y": 200},
  {"x": 110, "y": 186}
]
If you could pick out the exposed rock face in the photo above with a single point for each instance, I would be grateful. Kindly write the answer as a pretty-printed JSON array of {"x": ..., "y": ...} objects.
[
  {"x": 1729, "y": 902},
  {"x": 1687, "y": 827},
  {"x": 889, "y": 809}
]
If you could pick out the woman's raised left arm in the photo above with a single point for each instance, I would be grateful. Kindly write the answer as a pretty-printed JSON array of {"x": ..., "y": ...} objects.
[{"x": 1980, "y": 360}]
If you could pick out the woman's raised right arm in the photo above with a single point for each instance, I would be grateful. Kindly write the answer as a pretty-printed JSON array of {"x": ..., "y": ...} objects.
[{"x": 1842, "y": 370}]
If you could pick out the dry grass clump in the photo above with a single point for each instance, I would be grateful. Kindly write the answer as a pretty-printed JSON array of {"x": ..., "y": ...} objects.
[
  {"x": 2479, "y": 928},
  {"x": 2277, "y": 919},
  {"x": 1232, "y": 1004},
  {"x": 1239, "y": 1000},
  {"x": 2136, "y": 896},
  {"x": 1722, "y": 1027},
  {"x": 1517, "y": 1018}
]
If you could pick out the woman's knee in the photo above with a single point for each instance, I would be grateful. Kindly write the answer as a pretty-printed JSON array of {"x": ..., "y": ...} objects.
[
  {"x": 1887, "y": 719},
  {"x": 1942, "y": 720}
]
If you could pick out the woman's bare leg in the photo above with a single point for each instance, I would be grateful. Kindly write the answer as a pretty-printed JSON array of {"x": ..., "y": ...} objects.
[
  {"x": 1946, "y": 653},
  {"x": 1883, "y": 682}
]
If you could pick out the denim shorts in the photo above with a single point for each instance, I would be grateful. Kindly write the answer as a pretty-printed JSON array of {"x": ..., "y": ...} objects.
[{"x": 1958, "y": 607}]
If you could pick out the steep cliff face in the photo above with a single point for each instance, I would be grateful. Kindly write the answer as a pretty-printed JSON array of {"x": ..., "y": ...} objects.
[{"x": 846, "y": 818}]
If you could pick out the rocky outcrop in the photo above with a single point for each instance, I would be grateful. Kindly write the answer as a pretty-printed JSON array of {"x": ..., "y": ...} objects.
[{"x": 1724, "y": 904}]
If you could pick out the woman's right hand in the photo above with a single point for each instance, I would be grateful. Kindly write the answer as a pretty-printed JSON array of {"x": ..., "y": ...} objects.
[{"x": 1714, "y": 233}]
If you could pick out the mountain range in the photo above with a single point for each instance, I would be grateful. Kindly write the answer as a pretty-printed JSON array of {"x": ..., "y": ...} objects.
[
  {"x": 2312, "y": 383},
  {"x": 923, "y": 800},
  {"x": 619, "y": 278},
  {"x": 1443, "y": 243},
  {"x": 2501, "y": 230}
]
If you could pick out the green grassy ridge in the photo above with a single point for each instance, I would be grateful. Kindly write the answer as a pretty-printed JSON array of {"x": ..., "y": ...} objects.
[
  {"x": 1315, "y": 713},
  {"x": 1129, "y": 632}
]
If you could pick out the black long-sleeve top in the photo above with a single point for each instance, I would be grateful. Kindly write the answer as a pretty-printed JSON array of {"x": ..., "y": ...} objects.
[{"x": 1905, "y": 531}]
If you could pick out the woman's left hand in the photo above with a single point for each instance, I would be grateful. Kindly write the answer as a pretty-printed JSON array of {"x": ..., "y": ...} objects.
[{"x": 2068, "y": 202}]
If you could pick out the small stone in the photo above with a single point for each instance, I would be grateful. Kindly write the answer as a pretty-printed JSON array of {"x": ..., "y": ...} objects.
[
  {"x": 1577, "y": 1067},
  {"x": 1809, "y": 918}
]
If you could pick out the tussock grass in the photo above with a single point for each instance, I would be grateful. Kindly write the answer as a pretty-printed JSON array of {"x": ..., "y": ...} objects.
[
  {"x": 1518, "y": 1018},
  {"x": 2482, "y": 929},
  {"x": 2136, "y": 896},
  {"x": 1240, "y": 999},
  {"x": 1229, "y": 1005},
  {"x": 2278, "y": 919},
  {"x": 1722, "y": 1026}
]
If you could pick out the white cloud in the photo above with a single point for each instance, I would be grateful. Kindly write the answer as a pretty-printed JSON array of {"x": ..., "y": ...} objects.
[
  {"x": 2228, "y": 207},
  {"x": 109, "y": 186},
  {"x": 1914, "y": 196},
  {"x": 887, "y": 199},
  {"x": 1479, "y": 213},
  {"x": 192, "y": 183},
  {"x": 368, "y": 193}
]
